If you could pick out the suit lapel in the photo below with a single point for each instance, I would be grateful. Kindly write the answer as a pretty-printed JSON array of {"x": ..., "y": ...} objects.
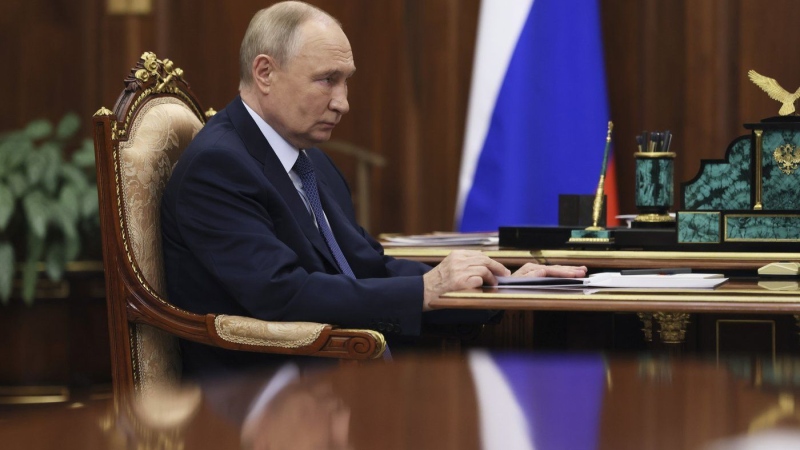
[{"x": 259, "y": 148}]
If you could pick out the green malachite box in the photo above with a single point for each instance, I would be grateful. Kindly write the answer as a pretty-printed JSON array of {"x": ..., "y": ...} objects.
[{"x": 751, "y": 199}]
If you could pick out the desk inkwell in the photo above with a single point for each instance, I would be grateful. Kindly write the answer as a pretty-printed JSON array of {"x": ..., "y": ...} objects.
[
  {"x": 655, "y": 166},
  {"x": 595, "y": 234}
]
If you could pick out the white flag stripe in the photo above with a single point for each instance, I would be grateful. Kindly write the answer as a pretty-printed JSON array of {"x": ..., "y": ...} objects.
[
  {"x": 501, "y": 418},
  {"x": 499, "y": 27}
]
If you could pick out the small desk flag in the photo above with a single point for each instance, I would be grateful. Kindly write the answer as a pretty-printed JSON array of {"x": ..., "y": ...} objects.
[{"x": 538, "y": 114}]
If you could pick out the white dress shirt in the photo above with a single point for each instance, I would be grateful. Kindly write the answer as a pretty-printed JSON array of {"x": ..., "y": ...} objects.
[{"x": 286, "y": 154}]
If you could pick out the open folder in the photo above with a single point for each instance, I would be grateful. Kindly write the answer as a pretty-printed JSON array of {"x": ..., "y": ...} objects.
[{"x": 617, "y": 280}]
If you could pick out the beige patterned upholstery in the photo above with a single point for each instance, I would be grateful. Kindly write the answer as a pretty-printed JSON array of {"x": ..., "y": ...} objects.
[
  {"x": 161, "y": 131},
  {"x": 245, "y": 330}
]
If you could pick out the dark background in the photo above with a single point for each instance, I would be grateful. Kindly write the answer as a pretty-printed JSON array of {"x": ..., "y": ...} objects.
[{"x": 671, "y": 64}]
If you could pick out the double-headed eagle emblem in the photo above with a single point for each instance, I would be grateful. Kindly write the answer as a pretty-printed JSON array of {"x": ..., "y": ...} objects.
[
  {"x": 788, "y": 158},
  {"x": 776, "y": 92}
]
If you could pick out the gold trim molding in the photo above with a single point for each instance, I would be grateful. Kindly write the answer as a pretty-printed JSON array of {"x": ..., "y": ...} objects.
[
  {"x": 758, "y": 206},
  {"x": 129, "y": 7},
  {"x": 29, "y": 395}
]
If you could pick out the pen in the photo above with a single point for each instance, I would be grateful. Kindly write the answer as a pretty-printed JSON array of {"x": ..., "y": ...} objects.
[
  {"x": 655, "y": 271},
  {"x": 640, "y": 143}
]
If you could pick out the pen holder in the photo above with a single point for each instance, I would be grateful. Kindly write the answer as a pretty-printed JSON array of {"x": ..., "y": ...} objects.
[{"x": 654, "y": 189}]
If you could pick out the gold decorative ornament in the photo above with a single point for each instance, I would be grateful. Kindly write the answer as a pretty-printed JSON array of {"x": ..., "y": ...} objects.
[
  {"x": 597, "y": 206},
  {"x": 162, "y": 77},
  {"x": 595, "y": 234},
  {"x": 776, "y": 92},
  {"x": 590, "y": 240},
  {"x": 150, "y": 61},
  {"x": 210, "y": 113},
  {"x": 672, "y": 326},
  {"x": 647, "y": 323},
  {"x": 758, "y": 206},
  {"x": 103, "y": 111},
  {"x": 788, "y": 158},
  {"x": 164, "y": 71},
  {"x": 654, "y": 218}
]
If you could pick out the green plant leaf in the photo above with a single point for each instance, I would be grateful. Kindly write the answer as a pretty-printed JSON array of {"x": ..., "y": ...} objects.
[
  {"x": 55, "y": 261},
  {"x": 72, "y": 246},
  {"x": 13, "y": 134},
  {"x": 68, "y": 125},
  {"x": 89, "y": 204},
  {"x": 6, "y": 148},
  {"x": 30, "y": 271},
  {"x": 52, "y": 166},
  {"x": 84, "y": 156},
  {"x": 75, "y": 176},
  {"x": 7, "y": 270},
  {"x": 67, "y": 221},
  {"x": 37, "y": 212},
  {"x": 17, "y": 183},
  {"x": 16, "y": 153},
  {"x": 69, "y": 201},
  {"x": 7, "y": 206},
  {"x": 34, "y": 166},
  {"x": 38, "y": 129}
]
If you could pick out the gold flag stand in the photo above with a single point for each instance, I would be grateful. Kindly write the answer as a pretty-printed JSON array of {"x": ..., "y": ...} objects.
[{"x": 596, "y": 234}]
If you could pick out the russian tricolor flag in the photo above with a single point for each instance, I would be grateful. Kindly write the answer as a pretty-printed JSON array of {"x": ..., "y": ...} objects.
[{"x": 538, "y": 114}]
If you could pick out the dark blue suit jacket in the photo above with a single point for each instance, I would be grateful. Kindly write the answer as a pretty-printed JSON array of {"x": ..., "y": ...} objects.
[{"x": 238, "y": 239}]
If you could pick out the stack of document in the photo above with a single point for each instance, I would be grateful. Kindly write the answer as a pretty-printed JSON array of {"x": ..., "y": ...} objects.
[
  {"x": 617, "y": 280},
  {"x": 441, "y": 240}
]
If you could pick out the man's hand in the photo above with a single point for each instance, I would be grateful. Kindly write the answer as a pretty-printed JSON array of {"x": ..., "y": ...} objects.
[
  {"x": 461, "y": 269},
  {"x": 538, "y": 270}
]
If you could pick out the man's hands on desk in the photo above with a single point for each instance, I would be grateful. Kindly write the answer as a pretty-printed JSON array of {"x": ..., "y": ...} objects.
[{"x": 465, "y": 269}]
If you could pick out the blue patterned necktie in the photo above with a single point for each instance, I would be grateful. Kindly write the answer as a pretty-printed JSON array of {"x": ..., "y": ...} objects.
[{"x": 305, "y": 170}]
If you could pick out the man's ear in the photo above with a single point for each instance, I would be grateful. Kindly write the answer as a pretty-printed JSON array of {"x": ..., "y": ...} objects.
[{"x": 263, "y": 69}]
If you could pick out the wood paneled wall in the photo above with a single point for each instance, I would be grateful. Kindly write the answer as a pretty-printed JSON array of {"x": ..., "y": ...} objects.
[{"x": 671, "y": 64}]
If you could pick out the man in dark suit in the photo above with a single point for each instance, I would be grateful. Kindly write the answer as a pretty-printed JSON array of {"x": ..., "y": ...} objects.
[{"x": 258, "y": 222}]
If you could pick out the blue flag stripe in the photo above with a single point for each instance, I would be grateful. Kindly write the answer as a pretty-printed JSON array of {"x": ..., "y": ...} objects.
[
  {"x": 561, "y": 396},
  {"x": 547, "y": 130}
]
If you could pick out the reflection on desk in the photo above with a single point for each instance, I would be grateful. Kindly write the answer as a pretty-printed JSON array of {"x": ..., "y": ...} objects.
[{"x": 480, "y": 401}]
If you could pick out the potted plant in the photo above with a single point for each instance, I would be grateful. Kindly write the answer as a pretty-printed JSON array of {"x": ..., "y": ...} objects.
[{"x": 48, "y": 201}]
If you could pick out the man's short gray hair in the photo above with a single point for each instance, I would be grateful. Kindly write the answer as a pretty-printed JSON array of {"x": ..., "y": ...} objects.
[{"x": 273, "y": 31}]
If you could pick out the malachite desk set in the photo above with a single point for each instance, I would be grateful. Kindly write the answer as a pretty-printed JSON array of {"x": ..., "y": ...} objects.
[{"x": 748, "y": 201}]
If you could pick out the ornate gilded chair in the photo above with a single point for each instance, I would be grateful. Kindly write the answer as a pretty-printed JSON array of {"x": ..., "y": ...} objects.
[{"x": 136, "y": 147}]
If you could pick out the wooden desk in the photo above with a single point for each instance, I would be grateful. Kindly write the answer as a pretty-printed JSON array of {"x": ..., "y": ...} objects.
[
  {"x": 611, "y": 259},
  {"x": 666, "y": 312},
  {"x": 735, "y": 296}
]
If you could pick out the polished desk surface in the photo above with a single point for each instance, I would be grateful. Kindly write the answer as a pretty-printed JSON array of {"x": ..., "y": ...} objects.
[
  {"x": 607, "y": 259},
  {"x": 478, "y": 400},
  {"x": 738, "y": 295}
]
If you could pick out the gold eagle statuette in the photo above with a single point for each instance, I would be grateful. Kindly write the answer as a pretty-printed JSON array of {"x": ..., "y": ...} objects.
[{"x": 775, "y": 92}]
